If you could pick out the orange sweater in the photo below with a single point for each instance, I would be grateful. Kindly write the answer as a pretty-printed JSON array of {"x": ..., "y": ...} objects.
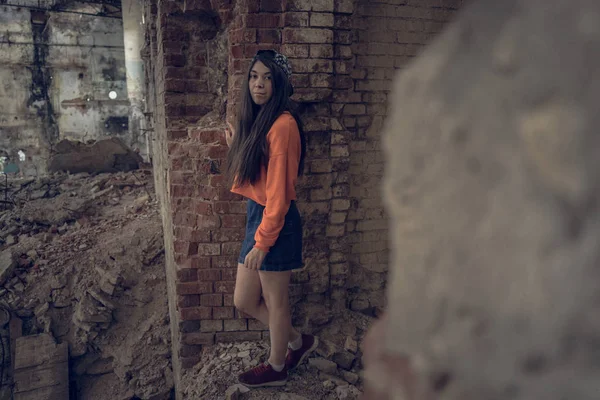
[{"x": 275, "y": 189}]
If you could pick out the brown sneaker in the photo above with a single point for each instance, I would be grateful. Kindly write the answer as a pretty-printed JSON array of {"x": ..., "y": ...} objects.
[
  {"x": 296, "y": 357},
  {"x": 263, "y": 375}
]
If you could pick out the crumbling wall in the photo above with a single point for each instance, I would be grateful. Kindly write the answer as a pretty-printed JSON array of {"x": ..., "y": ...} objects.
[
  {"x": 57, "y": 71},
  {"x": 492, "y": 183},
  {"x": 190, "y": 46}
]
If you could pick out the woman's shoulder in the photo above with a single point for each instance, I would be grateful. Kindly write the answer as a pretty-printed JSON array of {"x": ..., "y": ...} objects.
[
  {"x": 285, "y": 124},
  {"x": 285, "y": 121}
]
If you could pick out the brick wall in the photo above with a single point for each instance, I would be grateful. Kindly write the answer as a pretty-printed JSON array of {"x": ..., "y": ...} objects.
[
  {"x": 199, "y": 51},
  {"x": 387, "y": 35}
]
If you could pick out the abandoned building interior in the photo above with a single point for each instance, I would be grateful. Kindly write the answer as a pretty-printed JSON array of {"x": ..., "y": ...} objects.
[{"x": 119, "y": 237}]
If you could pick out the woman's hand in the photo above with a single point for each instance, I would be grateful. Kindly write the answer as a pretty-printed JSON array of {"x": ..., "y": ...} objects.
[
  {"x": 229, "y": 134},
  {"x": 254, "y": 259}
]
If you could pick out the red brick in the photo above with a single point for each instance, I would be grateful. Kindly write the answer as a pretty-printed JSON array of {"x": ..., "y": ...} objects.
[
  {"x": 224, "y": 287},
  {"x": 342, "y": 37},
  {"x": 307, "y": 35},
  {"x": 296, "y": 19},
  {"x": 175, "y": 60},
  {"x": 236, "y": 51},
  {"x": 344, "y": 6},
  {"x": 197, "y": 5},
  {"x": 200, "y": 262},
  {"x": 228, "y": 300},
  {"x": 192, "y": 300},
  {"x": 343, "y": 67},
  {"x": 322, "y": 80},
  {"x": 217, "y": 151},
  {"x": 212, "y": 326},
  {"x": 326, "y": 20},
  {"x": 208, "y": 135},
  {"x": 198, "y": 338},
  {"x": 224, "y": 262},
  {"x": 179, "y": 191},
  {"x": 310, "y": 5},
  {"x": 218, "y": 181},
  {"x": 189, "y": 326},
  {"x": 175, "y": 134},
  {"x": 313, "y": 66},
  {"x": 195, "y": 313},
  {"x": 271, "y": 5},
  {"x": 229, "y": 207},
  {"x": 240, "y": 36},
  {"x": 211, "y": 300},
  {"x": 187, "y": 275},
  {"x": 233, "y": 221},
  {"x": 226, "y": 195},
  {"x": 312, "y": 94},
  {"x": 321, "y": 51},
  {"x": 344, "y": 22},
  {"x": 269, "y": 36},
  {"x": 203, "y": 208},
  {"x": 222, "y": 312},
  {"x": 206, "y": 192},
  {"x": 295, "y": 50},
  {"x": 256, "y": 325},
  {"x": 231, "y": 248},
  {"x": 228, "y": 337},
  {"x": 209, "y": 275},
  {"x": 186, "y": 288},
  {"x": 231, "y": 325},
  {"x": 263, "y": 20},
  {"x": 301, "y": 80},
  {"x": 208, "y": 221},
  {"x": 241, "y": 315},
  {"x": 186, "y": 350},
  {"x": 229, "y": 274},
  {"x": 209, "y": 249}
]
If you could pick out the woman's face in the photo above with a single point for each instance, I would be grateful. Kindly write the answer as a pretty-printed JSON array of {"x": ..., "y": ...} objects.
[{"x": 260, "y": 84}]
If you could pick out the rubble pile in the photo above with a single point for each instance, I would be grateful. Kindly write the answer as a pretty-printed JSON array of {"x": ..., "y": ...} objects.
[
  {"x": 82, "y": 258},
  {"x": 332, "y": 372}
]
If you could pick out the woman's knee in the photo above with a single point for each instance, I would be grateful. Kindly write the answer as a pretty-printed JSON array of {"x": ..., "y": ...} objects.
[{"x": 246, "y": 296}]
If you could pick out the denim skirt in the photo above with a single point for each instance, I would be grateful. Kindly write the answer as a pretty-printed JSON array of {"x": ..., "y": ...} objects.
[{"x": 286, "y": 253}]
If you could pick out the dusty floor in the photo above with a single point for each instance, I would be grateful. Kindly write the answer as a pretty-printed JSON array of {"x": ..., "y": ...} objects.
[{"x": 86, "y": 264}]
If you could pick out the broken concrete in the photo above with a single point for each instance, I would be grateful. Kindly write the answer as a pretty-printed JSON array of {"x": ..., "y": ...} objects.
[{"x": 108, "y": 155}]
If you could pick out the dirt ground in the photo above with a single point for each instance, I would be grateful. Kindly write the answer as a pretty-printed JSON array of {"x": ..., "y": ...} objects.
[{"x": 82, "y": 258}]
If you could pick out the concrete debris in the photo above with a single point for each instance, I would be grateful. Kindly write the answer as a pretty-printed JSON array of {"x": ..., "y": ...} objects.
[
  {"x": 109, "y": 155},
  {"x": 233, "y": 392},
  {"x": 215, "y": 376},
  {"x": 71, "y": 271},
  {"x": 351, "y": 345},
  {"x": 344, "y": 359},
  {"x": 323, "y": 365}
]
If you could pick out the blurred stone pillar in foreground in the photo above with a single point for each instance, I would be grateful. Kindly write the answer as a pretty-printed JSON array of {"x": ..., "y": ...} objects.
[{"x": 493, "y": 186}]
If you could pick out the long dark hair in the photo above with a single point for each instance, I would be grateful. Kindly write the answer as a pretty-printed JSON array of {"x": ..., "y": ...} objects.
[{"x": 249, "y": 150}]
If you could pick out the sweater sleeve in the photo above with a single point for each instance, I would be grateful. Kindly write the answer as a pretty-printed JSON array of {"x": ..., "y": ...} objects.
[{"x": 278, "y": 203}]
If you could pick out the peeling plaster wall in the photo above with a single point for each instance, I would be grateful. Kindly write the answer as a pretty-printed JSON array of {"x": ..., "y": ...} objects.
[{"x": 56, "y": 71}]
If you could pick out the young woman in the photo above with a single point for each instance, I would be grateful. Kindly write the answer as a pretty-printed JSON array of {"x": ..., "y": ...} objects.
[{"x": 266, "y": 156}]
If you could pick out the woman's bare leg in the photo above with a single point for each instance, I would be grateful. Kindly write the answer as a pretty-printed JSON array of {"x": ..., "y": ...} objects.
[
  {"x": 275, "y": 286},
  {"x": 248, "y": 297}
]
